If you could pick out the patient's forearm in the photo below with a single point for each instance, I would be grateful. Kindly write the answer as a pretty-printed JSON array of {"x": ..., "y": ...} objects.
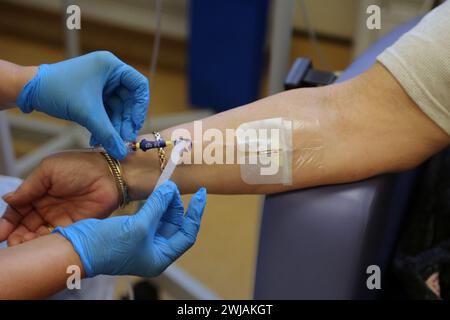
[
  {"x": 343, "y": 133},
  {"x": 36, "y": 269},
  {"x": 12, "y": 80},
  {"x": 308, "y": 107}
]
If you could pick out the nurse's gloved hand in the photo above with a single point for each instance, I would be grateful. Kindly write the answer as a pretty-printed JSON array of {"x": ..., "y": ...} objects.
[
  {"x": 144, "y": 244},
  {"x": 98, "y": 91}
]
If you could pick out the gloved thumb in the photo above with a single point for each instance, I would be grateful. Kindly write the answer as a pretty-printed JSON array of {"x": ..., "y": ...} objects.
[
  {"x": 149, "y": 216},
  {"x": 186, "y": 236},
  {"x": 105, "y": 134}
]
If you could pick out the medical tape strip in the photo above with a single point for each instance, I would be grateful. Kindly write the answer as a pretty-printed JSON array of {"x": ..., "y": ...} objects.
[{"x": 179, "y": 148}]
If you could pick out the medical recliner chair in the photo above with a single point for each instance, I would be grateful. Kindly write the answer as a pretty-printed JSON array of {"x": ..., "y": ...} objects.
[{"x": 317, "y": 243}]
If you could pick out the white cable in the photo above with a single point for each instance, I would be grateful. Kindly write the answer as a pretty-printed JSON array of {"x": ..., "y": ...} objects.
[
  {"x": 312, "y": 35},
  {"x": 157, "y": 38}
]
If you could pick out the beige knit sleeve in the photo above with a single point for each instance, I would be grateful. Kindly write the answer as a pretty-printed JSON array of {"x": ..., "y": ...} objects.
[{"x": 420, "y": 61}]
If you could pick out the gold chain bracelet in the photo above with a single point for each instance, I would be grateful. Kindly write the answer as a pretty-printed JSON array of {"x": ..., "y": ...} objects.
[
  {"x": 116, "y": 171},
  {"x": 161, "y": 151}
]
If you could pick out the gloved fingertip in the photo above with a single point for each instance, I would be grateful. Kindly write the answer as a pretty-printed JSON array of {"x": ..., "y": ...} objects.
[
  {"x": 118, "y": 152},
  {"x": 197, "y": 205},
  {"x": 199, "y": 198},
  {"x": 156, "y": 204},
  {"x": 163, "y": 194},
  {"x": 129, "y": 135},
  {"x": 92, "y": 141},
  {"x": 171, "y": 184},
  {"x": 201, "y": 193},
  {"x": 168, "y": 185},
  {"x": 115, "y": 146}
]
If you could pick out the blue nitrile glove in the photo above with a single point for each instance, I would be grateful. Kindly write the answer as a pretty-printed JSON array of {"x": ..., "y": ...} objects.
[
  {"x": 144, "y": 244},
  {"x": 98, "y": 91}
]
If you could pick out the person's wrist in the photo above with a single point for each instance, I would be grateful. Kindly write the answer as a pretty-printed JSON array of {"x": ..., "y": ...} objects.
[
  {"x": 23, "y": 75},
  {"x": 142, "y": 169},
  {"x": 72, "y": 257},
  {"x": 74, "y": 234},
  {"x": 141, "y": 172},
  {"x": 24, "y": 84}
]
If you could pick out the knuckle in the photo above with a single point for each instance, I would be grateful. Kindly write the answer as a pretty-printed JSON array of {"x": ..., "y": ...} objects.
[
  {"x": 190, "y": 238},
  {"x": 105, "y": 57},
  {"x": 47, "y": 164}
]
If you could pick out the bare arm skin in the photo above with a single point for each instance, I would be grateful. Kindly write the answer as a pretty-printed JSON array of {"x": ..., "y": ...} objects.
[
  {"x": 367, "y": 126},
  {"x": 36, "y": 269},
  {"x": 12, "y": 80}
]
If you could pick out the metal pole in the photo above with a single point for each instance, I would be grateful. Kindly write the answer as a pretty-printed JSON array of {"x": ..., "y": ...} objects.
[
  {"x": 71, "y": 37},
  {"x": 181, "y": 285},
  {"x": 280, "y": 43},
  {"x": 7, "y": 158}
]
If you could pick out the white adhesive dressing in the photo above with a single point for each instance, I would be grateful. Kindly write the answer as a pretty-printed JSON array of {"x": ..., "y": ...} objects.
[{"x": 264, "y": 151}]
